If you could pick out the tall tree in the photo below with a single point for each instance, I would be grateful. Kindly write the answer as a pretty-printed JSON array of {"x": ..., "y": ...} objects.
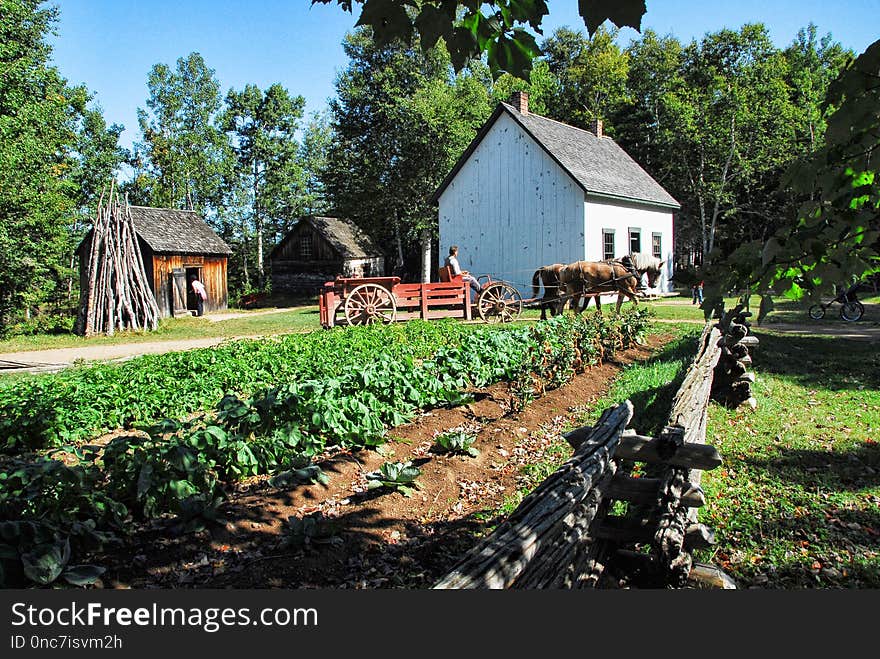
[
  {"x": 313, "y": 153},
  {"x": 835, "y": 236},
  {"x": 38, "y": 116},
  {"x": 592, "y": 74},
  {"x": 398, "y": 120},
  {"x": 542, "y": 86},
  {"x": 184, "y": 154},
  {"x": 262, "y": 126}
]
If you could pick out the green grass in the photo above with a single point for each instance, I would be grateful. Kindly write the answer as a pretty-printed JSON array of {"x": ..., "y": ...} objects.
[
  {"x": 297, "y": 319},
  {"x": 797, "y": 502}
]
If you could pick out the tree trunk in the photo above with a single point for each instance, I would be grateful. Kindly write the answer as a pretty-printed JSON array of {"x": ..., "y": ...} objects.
[{"x": 426, "y": 255}]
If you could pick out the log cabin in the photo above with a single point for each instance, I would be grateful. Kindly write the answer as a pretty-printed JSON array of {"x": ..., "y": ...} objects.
[
  {"x": 175, "y": 244},
  {"x": 317, "y": 250}
]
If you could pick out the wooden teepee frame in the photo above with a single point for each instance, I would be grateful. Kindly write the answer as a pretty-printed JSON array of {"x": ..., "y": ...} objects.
[{"x": 117, "y": 295}]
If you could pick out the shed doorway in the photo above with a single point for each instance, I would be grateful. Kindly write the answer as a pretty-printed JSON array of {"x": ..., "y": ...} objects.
[{"x": 191, "y": 300}]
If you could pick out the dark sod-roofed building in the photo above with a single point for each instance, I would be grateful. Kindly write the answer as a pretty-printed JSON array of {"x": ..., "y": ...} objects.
[
  {"x": 176, "y": 244},
  {"x": 317, "y": 250}
]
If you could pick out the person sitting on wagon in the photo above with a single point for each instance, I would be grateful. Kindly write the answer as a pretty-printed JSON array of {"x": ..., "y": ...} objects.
[{"x": 455, "y": 269}]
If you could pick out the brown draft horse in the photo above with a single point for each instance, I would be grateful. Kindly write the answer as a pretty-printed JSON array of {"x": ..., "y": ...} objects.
[
  {"x": 548, "y": 275},
  {"x": 583, "y": 278}
]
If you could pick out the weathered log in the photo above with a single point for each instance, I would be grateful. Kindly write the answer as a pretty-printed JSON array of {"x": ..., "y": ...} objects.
[
  {"x": 645, "y": 449},
  {"x": 634, "y": 490},
  {"x": 557, "y": 514},
  {"x": 698, "y": 536},
  {"x": 624, "y": 531},
  {"x": 710, "y": 576},
  {"x": 689, "y": 409},
  {"x": 751, "y": 342},
  {"x": 694, "y": 497}
]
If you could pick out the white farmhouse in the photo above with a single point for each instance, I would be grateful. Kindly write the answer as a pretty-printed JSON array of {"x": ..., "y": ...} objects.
[{"x": 530, "y": 191}]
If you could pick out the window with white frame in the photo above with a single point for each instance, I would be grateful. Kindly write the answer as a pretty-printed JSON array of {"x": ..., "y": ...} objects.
[
  {"x": 305, "y": 247},
  {"x": 607, "y": 244},
  {"x": 635, "y": 240},
  {"x": 657, "y": 245}
]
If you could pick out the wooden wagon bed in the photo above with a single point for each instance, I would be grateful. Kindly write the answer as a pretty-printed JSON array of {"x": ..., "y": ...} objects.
[{"x": 366, "y": 300}]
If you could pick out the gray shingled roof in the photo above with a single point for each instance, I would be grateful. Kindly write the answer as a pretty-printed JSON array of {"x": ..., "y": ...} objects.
[
  {"x": 174, "y": 231},
  {"x": 344, "y": 235},
  {"x": 598, "y": 165}
]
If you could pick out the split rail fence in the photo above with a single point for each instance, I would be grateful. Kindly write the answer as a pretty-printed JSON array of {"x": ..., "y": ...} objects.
[{"x": 593, "y": 523}]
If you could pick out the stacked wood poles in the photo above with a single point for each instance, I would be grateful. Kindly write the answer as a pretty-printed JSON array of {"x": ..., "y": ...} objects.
[
  {"x": 117, "y": 295},
  {"x": 732, "y": 384},
  {"x": 546, "y": 543}
]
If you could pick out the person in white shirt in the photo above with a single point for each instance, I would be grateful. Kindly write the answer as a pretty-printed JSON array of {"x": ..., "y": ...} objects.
[
  {"x": 452, "y": 262},
  {"x": 201, "y": 294}
]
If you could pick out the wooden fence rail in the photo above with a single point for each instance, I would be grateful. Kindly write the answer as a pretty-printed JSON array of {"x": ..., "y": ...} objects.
[{"x": 570, "y": 533}]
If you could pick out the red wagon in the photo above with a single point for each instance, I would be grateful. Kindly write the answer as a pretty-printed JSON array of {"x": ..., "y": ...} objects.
[{"x": 367, "y": 300}]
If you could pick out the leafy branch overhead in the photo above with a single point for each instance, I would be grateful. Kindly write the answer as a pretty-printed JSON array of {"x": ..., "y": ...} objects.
[{"x": 500, "y": 28}]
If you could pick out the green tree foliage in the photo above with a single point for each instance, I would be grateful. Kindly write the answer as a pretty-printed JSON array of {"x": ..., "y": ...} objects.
[
  {"x": 542, "y": 87},
  {"x": 399, "y": 122},
  {"x": 184, "y": 156},
  {"x": 262, "y": 127},
  {"x": 502, "y": 29},
  {"x": 592, "y": 74},
  {"x": 313, "y": 150},
  {"x": 835, "y": 236},
  {"x": 53, "y": 150},
  {"x": 717, "y": 122}
]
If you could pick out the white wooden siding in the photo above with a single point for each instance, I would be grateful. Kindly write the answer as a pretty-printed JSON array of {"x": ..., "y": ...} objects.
[
  {"x": 620, "y": 216},
  {"x": 511, "y": 209}
]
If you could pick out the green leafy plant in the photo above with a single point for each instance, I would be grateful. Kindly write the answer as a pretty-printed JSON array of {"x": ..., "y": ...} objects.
[
  {"x": 313, "y": 529},
  {"x": 457, "y": 442},
  {"x": 310, "y": 474},
  {"x": 399, "y": 476}
]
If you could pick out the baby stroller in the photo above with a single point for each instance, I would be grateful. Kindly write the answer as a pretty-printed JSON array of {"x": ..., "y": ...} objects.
[{"x": 851, "y": 309}]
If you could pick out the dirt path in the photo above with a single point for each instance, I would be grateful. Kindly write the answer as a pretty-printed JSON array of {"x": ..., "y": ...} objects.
[
  {"x": 55, "y": 359},
  {"x": 58, "y": 358},
  {"x": 373, "y": 539}
]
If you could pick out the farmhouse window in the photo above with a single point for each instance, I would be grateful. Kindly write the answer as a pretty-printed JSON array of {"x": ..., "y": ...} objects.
[
  {"x": 656, "y": 245},
  {"x": 305, "y": 247},
  {"x": 607, "y": 244},
  {"x": 635, "y": 240}
]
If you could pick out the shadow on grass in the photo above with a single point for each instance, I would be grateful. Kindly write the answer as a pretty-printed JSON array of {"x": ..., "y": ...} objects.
[
  {"x": 832, "y": 363},
  {"x": 844, "y": 542},
  {"x": 828, "y": 470}
]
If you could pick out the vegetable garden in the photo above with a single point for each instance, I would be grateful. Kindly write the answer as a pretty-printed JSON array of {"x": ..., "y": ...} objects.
[{"x": 194, "y": 423}]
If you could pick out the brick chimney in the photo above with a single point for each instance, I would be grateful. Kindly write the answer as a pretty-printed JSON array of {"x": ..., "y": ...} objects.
[
  {"x": 596, "y": 127},
  {"x": 520, "y": 100}
]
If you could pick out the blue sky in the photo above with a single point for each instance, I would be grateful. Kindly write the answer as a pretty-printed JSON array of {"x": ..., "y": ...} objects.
[{"x": 110, "y": 45}]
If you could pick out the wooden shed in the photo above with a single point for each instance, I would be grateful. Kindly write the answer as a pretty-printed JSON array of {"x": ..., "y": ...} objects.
[
  {"x": 176, "y": 244},
  {"x": 317, "y": 250}
]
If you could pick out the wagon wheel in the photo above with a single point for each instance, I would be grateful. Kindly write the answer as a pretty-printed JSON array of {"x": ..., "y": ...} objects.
[
  {"x": 499, "y": 303},
  {"x": 368, "y": 304}
]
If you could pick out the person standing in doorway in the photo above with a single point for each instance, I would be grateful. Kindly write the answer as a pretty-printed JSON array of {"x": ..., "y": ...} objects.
[
  {"x": 201, "y": 294},
  {"x": 455, "y": 268}
]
